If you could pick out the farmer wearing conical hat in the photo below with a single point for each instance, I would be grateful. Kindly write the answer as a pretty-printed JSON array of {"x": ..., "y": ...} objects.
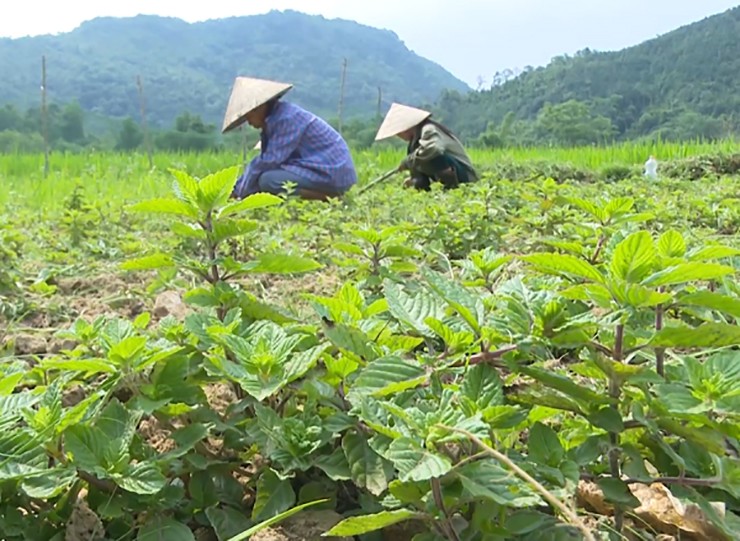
[
  {"x": 433, "y": 153},
  {"x": 296, "y": 145}
]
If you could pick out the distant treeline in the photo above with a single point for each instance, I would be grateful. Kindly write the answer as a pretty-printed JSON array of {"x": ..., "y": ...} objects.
[{"x": 573, "y": 123}]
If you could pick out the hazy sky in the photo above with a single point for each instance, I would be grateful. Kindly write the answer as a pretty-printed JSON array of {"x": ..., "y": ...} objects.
[{"x": 470, "y": 38}]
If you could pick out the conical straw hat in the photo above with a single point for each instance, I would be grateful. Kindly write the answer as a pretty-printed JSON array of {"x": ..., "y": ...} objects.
[
  {"x": 246, "y": 95},
  {"x": 399, "y": 119}
]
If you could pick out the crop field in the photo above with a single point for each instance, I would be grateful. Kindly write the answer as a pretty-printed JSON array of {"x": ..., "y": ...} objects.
[{"x": 549, "y": 354}]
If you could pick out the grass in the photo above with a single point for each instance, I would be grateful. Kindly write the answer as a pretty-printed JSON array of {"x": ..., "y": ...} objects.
[{"x": 128, "y": 177}]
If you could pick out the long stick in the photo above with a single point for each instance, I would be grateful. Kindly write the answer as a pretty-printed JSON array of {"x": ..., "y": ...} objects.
[
  {"x": 378, "y": 180},
  {"x": 531, "y": 481},
  {"x": 44, "y": 116}
]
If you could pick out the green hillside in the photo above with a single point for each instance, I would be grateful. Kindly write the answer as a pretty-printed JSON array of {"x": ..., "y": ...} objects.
[
  {"x": 685, "y": 83},
  {"x": 190, "y": 67}
]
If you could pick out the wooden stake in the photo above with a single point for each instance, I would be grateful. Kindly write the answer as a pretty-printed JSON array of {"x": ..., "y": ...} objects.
[
  {"x": 341, "y": 94},
  {"x": 142, "y": 107},
  {"x": 44, "y": 116}
]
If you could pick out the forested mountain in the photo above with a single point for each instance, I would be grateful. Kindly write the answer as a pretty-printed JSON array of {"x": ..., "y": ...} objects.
[
  {"x": 190, "y": 67},
  {"x": 685, "y": 83}
]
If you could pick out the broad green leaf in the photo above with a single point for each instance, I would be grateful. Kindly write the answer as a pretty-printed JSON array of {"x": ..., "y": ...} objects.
[
  {"x": 596, "y": 293},
  {"x": 161, "y": 528},
  {"x": 677, "y": 398},
  {"x": 524, "y": 522},
  {"x": 87, "y": 445},
  {"x": 588, "y": 207},
  {"x": 564, "y": 265},
  {"x": 281, "y": 264},
  {"x": 486, "y": 480},
  {"x": 566, "y": 386},
  {"x": 386, "y": 376},
  {"x": 638, "y": 296},
  {"x": 544, "y": 445},
  {"x": 688, "y": 272},
  {"x": 713, "y": 301},
  {"x": 671, "y": 244},
  {"x": 412, "y": 310},
  {"x": 88, "y": 366},
  {"x": 398, "y": 250},
  {"x": 634, "y": 257},
  {"x": 705, "y": 335},
  {"x": 616, "y": 491},
  {"x": 608, "y": 418},
  {"x": 155, "y": 261},
  {"x": 50, "y": 484},
  {"x": 366, "y": 466},
  {"x": 117, "y": 422},
  {"x": 227, "y": 522},
  {"x": 167, "y": 206},
  {"x": 335, "y": 465},
  {"x": 353, "y": 340},
  {"x": 415, "y": 463},
  {"x": 349, "y": 248},
  {"x": 141, "y": 478},
  {"x": 187, "y": 438},
  {"x": 369, "y": 235},
  {"x": 214, "y": 190},
  {"x": 370, "y": 523},
  {"x": 483, "y": 386},
  {"x": 412, "y": 492},
  {"x": 468, "y": 305},
  {"x": 713, "y": 252},
  {"x": 619, "y": 206},
  {"x": 274, "y": 495},
  {"x": 275, "y": 520},
  {"x": 185, "y": 187},
  {"x": 191, "y": 231},
  {"x": 8, "y": 383},
  {"x": 227, "y": 228},
  {"x": 574, "y": 247},
  {"x": 254, "y": 201}
]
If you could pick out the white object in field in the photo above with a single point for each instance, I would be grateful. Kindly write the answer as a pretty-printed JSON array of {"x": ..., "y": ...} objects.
[
  {"x": 258, "y": 146},
  {"x": 651, "y": 168}
]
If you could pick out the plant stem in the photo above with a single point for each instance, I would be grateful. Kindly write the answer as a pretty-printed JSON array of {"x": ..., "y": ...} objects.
[
  {"x": 599, "y": 247},
  {"x": 614, "y": 452},
  {"x": 659, "y": 352},
  {"x": 448, "y": 528},
  {"x": 571, "y": 517}
]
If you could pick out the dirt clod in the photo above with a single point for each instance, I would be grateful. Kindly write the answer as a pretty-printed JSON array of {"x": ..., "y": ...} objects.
[
  {"x": 220, "y": 396},
  {"x": 73, "y": 396},
  {"x": 169, "y": 303},
  {"x": 30, "y": 344},
  {"x": 306, "y": 526},
  {"x": 84, "y": 524},
  {"x": 156, "y": 435}
]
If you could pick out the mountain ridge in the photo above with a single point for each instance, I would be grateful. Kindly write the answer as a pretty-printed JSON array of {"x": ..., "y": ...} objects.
[{"x": 96, "y": 64}]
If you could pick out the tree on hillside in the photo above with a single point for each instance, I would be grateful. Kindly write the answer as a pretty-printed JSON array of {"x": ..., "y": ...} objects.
[
  {"x": 72, "y": 124},
  {"x": 572, "y": 123},
  {"x": 190, "y": 134},
  {"x": 130, "y": 136}
]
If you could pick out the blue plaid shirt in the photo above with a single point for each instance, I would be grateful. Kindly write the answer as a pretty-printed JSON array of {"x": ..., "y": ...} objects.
[{"x": 298, "y": 141}]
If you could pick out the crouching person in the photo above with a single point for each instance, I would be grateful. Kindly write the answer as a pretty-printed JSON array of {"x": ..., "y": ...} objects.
[
  {"x": 295, "y": 145},
  {"x": 433, "y": 153}
]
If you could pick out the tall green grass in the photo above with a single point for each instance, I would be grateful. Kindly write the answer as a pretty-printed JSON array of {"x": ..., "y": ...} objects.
[{"x": 108, "y": 175}]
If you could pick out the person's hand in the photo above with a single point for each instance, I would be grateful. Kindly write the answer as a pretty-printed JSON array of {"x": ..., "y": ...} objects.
[{"x": 402, "y": 166}]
